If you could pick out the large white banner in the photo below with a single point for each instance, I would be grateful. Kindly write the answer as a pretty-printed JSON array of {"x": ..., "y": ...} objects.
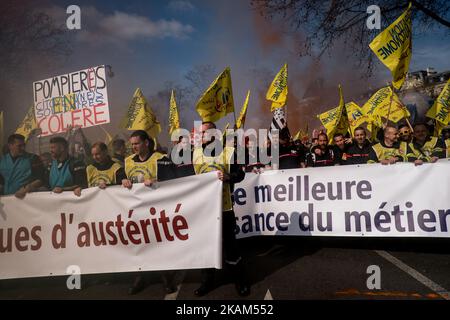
[
  {"x": 76, "y": 99},
  {"x": 400, "y": 200},
  {"x": 113, "y": 230}
]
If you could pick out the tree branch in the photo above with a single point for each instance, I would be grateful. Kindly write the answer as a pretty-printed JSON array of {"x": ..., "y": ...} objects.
[{"x": 430, "y": 13}]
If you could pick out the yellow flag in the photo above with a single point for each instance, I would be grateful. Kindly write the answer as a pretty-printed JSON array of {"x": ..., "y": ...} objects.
[
  {"x": 224, "y": 132},
  {"x": 217, "y": 101},
  {"x": 397, "y": 110},
  {"x": 140, "y": 116},
  {"x": 438, "y": 127},
  {"x": 393, "y": 47},
  {"x": 28, "y": 124},
  {"x": 333, "y": 121},
  {"x": 378, "y": 106},
  {"x": 108, "y": 137},
  {"x": 355, "y": 116},
  {"x": 240, "y": 122},
  {"x": 377, "y": 99},
  {"x": 441, "y": 106},
  {"x": 278, "y": 89},
  {"x": 225, "y": 129},
  {"x": 174, "y": 119}
]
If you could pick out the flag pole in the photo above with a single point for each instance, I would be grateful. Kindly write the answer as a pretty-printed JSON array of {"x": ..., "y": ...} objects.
[
  {"x": 407, "y": 121},
  {"x": 39, "y": 144},
  {"x": 390, "y": 104}
]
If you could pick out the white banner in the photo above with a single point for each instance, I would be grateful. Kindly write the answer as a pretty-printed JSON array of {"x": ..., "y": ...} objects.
[
  {"x": 400, "y": 200},
  {"x": 113, "y": 230},
  {"x": 77, "y": 99}
]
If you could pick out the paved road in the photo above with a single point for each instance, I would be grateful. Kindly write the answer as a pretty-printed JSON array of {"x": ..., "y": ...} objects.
[{"x": 284, "y": 268}]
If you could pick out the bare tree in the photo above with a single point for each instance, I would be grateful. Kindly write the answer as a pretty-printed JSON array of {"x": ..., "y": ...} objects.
[
  {"x": 25, "y": 32},
  {"x": 29, "y": 41},
  {"x": 199, "y": 78},
  {"x": 323, "y": 24}
]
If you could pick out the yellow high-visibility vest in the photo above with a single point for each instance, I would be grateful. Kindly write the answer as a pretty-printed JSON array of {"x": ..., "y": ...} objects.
[
  {"x": 95, "y": 176},
  {"x": 221, "y": 162},
  {"x": 148, "y": 169}
]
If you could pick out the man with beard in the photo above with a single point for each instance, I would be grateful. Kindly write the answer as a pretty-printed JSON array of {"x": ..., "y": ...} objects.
[
  {"x": 358, "y": 152},
  {"x": 340, "y": 148},
  {"x": 321, "y": 155},
  {"x": 389, "y": 150},
  {"x": 66, "y": 173},
  {"x": 404, "y": 133}
]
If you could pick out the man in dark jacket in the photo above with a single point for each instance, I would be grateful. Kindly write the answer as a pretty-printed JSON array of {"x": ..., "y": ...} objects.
[{"x": 358, "y": 152}]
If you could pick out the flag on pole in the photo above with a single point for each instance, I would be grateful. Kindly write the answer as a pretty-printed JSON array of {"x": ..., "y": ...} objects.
[
  {"x": 378, "y": 106},
  {"x": 393, "y": 47},
  {"x": 440, "y": 111},
  {"x": 174, "y": 120},
  {"x": 278, "y": 121},
  {"x": 108, "y": 137},
  {"x": 385, "y": 103},
  {"x": 297, "y": 136},
  {"x": 335, "y": 120},
  {"x": 28, "y": 125},
  {"x": 240, "y": 122},
  {"x": 217, "y": 101},
  {"x": 278, "y": 90},
  {"x": 355, "y": 116},
  {"x": 140, "y": 116}
]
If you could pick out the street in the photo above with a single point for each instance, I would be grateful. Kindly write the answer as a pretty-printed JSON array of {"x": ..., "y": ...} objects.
[{"x": 283, "y": 268}]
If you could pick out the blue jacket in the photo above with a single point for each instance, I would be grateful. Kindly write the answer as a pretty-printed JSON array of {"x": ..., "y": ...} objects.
[{"x": 16, "y": 174}]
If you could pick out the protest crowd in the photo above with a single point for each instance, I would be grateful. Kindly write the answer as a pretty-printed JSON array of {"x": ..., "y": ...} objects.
[{"x": 378, "y": 132}]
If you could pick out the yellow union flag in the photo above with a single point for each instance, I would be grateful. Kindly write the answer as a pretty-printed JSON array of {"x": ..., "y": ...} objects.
[
  {"x": 378, "y": 106},
  {"x": 355, "y": 116},
  {"x": 333, "y": 121},
  {"x": 108, "y": 137},
  {"x": 278, "y": 89},
  {"x": 140, "y": 116},
  {"x": 174, "y": 119},
  {"x": 240, "y": 122},
  {"x": 217, "y": 101},
  {"x": 28, "y": 124},
  {"x": 395, "y": 112},
  {"x": 393, "y": 47},
  {"x": 441, "y": 106}
]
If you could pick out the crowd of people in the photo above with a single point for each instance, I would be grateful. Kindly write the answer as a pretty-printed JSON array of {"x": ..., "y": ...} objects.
[
  {"x": 402, "y": 144},
  {"x": 60, "y": 170}
]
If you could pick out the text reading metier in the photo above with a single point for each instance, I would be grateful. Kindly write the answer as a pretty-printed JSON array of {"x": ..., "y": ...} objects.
[{"x": 300, "y": 188}]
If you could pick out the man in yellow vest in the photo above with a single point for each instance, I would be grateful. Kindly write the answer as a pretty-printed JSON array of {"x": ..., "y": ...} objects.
[
  {"x": 142, "y": 166},
  {"x": 390, "y": 150},
  {"x": 104, "y": 171},
  {"x": 207, "y": 158},
  {"x": 432, "y": 147}
]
